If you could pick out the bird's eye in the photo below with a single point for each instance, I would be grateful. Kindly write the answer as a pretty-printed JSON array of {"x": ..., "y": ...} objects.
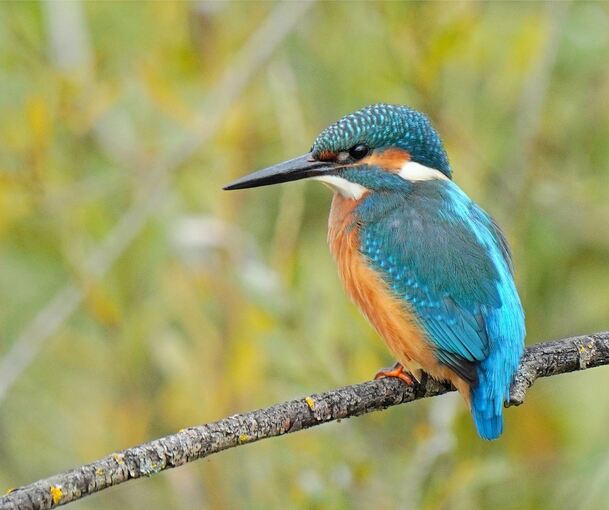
[{"x": 359, "y": 151}]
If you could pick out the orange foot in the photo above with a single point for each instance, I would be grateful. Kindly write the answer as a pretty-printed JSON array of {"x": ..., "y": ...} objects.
[{"x": 396, "y": 370}]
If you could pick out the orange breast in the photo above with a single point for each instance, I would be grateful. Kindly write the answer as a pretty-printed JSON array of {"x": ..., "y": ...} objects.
[{"x": 389, "y": 315}]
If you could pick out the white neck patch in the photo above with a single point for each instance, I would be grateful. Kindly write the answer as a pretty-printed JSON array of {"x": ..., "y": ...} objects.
[
  {"x": 346, "y": 188},
  {"x": 412, "y": 171}
]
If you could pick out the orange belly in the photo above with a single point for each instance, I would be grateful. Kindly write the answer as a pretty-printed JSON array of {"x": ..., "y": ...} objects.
[{"x": 389, "y": 315}]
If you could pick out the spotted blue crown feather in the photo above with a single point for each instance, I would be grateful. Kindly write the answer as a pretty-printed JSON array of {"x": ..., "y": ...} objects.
[{"x": 386, "y": 125}]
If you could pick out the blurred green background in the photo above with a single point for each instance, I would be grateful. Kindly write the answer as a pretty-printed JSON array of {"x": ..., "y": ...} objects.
[{"x": 166, "y": 302}]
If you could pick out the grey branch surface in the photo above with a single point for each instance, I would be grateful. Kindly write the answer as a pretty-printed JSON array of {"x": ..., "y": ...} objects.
[{"x": 540, "y": 360}]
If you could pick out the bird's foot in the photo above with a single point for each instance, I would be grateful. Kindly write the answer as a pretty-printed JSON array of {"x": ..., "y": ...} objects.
[{"x": 396, "y": 370}]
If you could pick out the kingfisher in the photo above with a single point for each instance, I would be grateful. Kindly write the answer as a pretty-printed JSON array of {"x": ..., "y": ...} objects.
[{"x": 431, "y": 270}]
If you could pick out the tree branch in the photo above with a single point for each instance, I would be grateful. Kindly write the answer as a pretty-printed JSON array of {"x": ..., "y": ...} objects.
[{"x": 540, "y": 360}]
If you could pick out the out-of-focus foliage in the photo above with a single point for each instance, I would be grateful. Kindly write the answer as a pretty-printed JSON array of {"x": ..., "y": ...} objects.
[{"x": 230, "y": 301}]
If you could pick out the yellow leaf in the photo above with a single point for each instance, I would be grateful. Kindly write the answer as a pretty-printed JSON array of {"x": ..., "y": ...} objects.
[{"x": 38, "y": 117}]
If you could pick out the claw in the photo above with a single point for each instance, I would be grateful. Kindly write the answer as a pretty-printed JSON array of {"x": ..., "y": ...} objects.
[{"x": 396, "y": 371}]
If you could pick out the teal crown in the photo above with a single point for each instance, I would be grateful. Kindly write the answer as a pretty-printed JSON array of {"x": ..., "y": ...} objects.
[{"x": 381, "y": 126}]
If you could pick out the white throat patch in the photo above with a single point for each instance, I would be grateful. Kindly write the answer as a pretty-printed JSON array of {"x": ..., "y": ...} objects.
[
  {"x": 412, "y": 171},
  {"x": 346, "y": 188}
]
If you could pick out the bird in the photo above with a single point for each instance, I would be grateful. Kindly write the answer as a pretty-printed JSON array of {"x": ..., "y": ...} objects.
[{"x": 430, "y": 269}]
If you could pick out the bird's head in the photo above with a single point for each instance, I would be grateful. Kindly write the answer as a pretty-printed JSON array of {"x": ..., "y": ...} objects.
[{"x": 371, "y": 149}]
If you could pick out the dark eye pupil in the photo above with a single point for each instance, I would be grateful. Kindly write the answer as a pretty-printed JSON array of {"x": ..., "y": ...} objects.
[{"x": 358, "y": 151}]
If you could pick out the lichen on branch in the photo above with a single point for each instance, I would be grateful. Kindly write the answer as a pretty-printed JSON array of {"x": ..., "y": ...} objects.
[{"x": 540, "y": 360}]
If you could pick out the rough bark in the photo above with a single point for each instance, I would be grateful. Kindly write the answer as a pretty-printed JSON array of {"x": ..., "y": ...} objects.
[{"x": 540, "y": 360}]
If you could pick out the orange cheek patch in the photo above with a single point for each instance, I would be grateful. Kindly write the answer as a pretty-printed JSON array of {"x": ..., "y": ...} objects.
[
  {"x": 390, "y": 159},
  {"x": 326, "y": 156}
]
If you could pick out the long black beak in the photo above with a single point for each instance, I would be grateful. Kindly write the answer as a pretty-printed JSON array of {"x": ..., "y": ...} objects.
[{"x": 292, "y": 170}]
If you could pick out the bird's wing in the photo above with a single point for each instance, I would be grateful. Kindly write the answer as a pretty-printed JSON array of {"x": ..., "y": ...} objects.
[{"x": 444, "y": 256}]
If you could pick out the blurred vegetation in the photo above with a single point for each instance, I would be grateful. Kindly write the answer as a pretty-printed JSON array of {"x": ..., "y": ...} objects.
[{"x": 229, "y": 301}]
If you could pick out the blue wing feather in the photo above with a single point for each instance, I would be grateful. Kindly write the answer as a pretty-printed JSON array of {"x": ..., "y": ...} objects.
[
  {"x": 438, "y": 266},
  {"x": 449, "y": 261}
]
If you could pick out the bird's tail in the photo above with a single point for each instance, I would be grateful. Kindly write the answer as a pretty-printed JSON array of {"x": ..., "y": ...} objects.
[
  {"x": 488, "y": 396},
  {"x": 487, "y": 413}
]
